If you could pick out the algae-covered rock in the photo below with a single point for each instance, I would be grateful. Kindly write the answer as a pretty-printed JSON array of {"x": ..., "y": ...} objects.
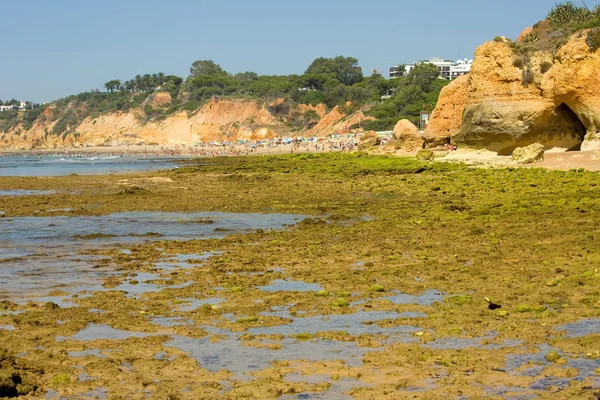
[
  {"x": 530, "y": 154},
  {"x": 16, "y": 378},
  {"x": 369, "y": 140},
  {"x": 425, "y": 155}
]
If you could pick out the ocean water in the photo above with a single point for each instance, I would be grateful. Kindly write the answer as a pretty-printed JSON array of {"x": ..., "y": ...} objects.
[{"x": 61, "y": 165}]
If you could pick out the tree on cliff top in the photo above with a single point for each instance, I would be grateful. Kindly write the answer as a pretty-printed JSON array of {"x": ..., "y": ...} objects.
[
  {"x": 112, "y": 85},
  {"x": 344, "y": 69},
  {"x": 206, "y": 67}
]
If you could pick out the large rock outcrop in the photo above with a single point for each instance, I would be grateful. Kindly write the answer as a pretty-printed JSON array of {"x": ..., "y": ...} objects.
[
  {"x": 446, "y": 119},
  {"x": 518, "y": 95},
  {"x": 407, "y": 135}
]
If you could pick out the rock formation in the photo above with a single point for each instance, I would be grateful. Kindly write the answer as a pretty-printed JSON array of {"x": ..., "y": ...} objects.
[
  {"x": 369, "y": 140},
  {"x": 530, "y": 154},
  {"x": 520, "y": 94},
  {"x": 407, "y": 134},
  {"x": 446, "y": 119},
  {"x": 216, "y": 120}
]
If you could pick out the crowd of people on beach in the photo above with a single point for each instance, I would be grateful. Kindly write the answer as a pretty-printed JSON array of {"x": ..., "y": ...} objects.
[{"x": 334, "y": 143}]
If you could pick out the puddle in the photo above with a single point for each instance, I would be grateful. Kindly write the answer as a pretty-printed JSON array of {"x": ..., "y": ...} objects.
[
  {"x": 61, "y": 301},
  {"x": 101, "y": 332},
  {"x": 171, "y": 321},
  {"x": 183, "y": 261},
  {"x": 425, "y": 299},
  {"x": 39, "y": 254},
  {"x": 508, "y": 392},
  {"x": 534, "y": 364},
  {"x": 581, "y": 328},
  {"x": 231, "y": 354},
  {"x": 86, "y": 353},
  {"x": 464, "y": 343},
  {"x": 7, "y": 327},
  {"x": 136, "y": 290},
  {"x": 84, "y": 377},
  {"x": 98, "y": 393},
  {"x": 24, "y": 192},
  {"x": 281, "y": 285},
  {"x": 194, "y": 304},
  {"x": 335, "y": 391},
  {"x": 354, "y": 324}
]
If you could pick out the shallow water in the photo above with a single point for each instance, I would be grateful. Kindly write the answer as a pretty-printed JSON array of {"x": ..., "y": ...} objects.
[
  {"x": 335, "y": 391},
  {"x": 50, "y": 165},
  {"x": 194, "y": 304},
  {"x": 38, "y": 254},
  {"x": 464, "y": 343},
  {"x": 425, "y": 299},
  {"x": 102, "y": 332},
  {"x": 537, "y": 364},
  {"x": 580, "y": 328},
  {"x": 231, "y": 355},
  {"x": 358, "y": 323},
  {"x": 284, "y": 285},
  {"x": 24, "y": 192}
]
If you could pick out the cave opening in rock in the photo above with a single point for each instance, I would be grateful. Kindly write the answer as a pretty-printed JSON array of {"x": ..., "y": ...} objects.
[{"x": 572, "y": 120}]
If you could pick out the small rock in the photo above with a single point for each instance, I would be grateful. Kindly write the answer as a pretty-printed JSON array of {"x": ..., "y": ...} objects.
[
  {"x": 530, "y": 154},
  {"x": 425, "y": 155}
]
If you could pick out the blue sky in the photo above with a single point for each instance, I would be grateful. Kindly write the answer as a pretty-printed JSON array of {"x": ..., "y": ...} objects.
[{"x": 52, "y": 48}]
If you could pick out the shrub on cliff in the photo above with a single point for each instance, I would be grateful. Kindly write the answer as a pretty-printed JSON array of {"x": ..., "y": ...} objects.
[
  {"x": 568, "y": 15},
  {"x": 593, "y": 39}
]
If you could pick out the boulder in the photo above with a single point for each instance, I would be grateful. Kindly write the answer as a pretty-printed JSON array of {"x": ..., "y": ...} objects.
[
  {"x": 530, "y": 154},
  {"x": 369, "y": 140},
  {"x": 407, "y": 135},
  {"x": 405, "y": 128},
  {"x": 425, "y": 155}
]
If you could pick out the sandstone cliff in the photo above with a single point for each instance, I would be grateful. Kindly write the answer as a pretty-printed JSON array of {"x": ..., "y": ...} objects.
[
  {"x": 217, "y": 120},
  {"x": 518, "y": 94},
  {"x": 446, "y": 119}
]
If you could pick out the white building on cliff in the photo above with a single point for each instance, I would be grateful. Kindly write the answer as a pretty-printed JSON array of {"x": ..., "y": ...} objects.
[{"x": 448, "y": 69}]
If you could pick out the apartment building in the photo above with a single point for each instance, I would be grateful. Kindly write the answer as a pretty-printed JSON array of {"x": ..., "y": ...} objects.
[{"x": 448, "y": 69}]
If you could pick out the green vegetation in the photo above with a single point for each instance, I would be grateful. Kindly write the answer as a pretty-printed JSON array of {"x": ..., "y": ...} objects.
[
  {"x": 340, "y": 302},
  {"x": 337, "y": 81},
  {"x": 61, "y": 379},
  {"x": 551, "y": 34},
  {"x": 417, "y": 91},
  {"x": 568, "y": 15}
]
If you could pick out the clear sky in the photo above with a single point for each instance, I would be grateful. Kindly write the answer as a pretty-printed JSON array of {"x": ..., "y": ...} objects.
[{"x": 53, "y": 48}]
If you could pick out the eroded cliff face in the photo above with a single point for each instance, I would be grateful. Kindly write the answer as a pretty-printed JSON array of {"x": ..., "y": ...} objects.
[
  {"x": 513, "y": 99},
  {"x": 573, "y": 84},
  {"x": 446, "y": 119},
  {"x": 217, "y": 120}
]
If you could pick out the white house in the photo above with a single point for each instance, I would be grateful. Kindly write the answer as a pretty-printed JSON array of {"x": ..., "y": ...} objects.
[
  {"x": 22, "y": 106},
  {"x": 448, "y": 69}
]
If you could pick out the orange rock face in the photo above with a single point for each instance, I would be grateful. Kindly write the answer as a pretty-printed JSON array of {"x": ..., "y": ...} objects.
[
  {"x": 512, "y": 99},
  {"x": 446, "y": 119},
  {"x": 408, "y": 135},
  {"x": 526, "y": 32},
  {"x": 161, "y": 99},
  {"x": 218, "y": 120}
]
